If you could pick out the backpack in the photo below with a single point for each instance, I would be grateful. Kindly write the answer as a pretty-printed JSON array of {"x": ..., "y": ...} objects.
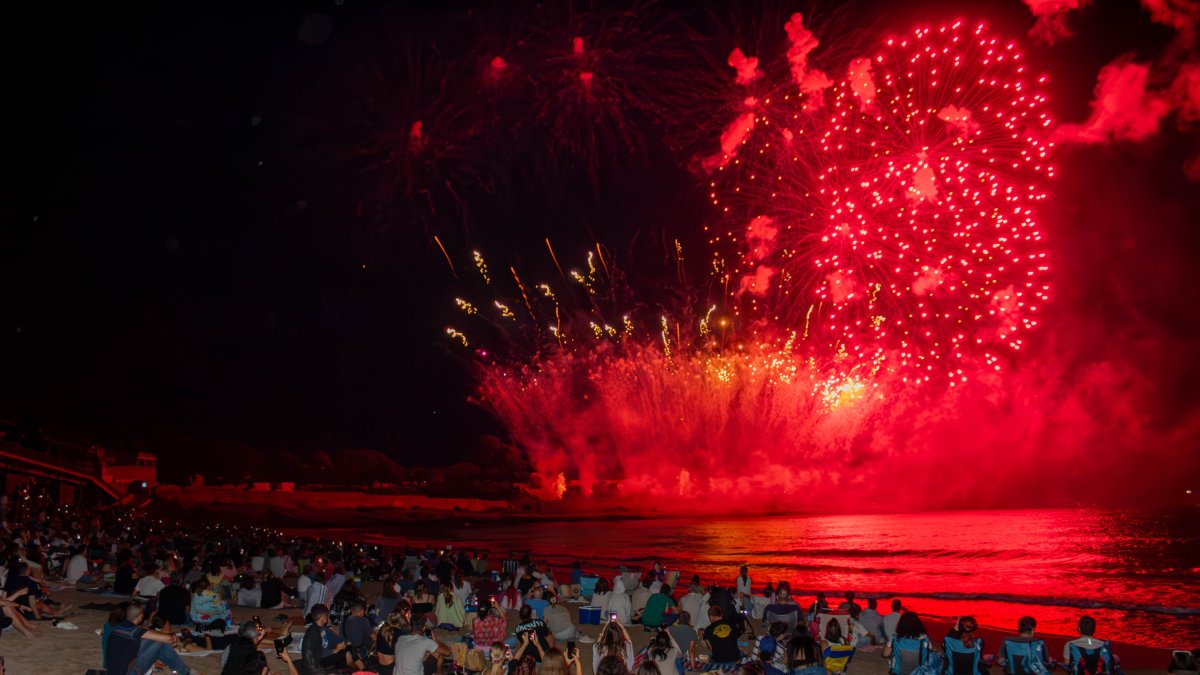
[{"x": 1025, "y": 658}]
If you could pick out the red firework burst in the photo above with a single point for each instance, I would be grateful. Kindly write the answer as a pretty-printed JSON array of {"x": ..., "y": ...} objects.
[{"x": 906, "y": 233}]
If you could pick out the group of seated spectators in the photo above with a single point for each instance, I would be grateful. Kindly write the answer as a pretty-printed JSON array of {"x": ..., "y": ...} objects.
[{"x": 443, "y": 608}]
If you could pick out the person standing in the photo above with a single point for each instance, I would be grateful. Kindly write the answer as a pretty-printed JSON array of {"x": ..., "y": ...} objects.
[{"x": 745, "y": 590}]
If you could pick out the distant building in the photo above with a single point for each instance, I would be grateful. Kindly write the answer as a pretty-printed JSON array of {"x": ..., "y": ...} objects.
[{"x": 142, "y": 474}]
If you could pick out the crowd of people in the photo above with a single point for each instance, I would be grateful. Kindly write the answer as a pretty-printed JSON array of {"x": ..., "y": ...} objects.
[{"x": 439, "y": 610}]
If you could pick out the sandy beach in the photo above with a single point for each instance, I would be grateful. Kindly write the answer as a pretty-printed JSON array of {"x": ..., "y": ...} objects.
[{"x": 75, "y": 651}]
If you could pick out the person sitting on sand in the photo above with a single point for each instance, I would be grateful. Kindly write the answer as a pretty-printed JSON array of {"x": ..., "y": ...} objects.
[
  {"x": 462, "y": 587},
  {"x": 13, "y": 615},
  {"x": 535, "y": 629},
  {"x": 558, "y": 621},
  {"x": 206, "y": 607},
  {"x": 555, "y": 662},
  {"x": 384, "y": 653},
  {"x": 129, "y": 644},
  {"x": 613, "y": 641},
  {"x": 857, "y": 634},
  {"x": 665, "y": 652},
  {"x": 449, "y": 609},
  {"x": 722, "y": 635},
  {"x": 322, "y": 648},
  {"x": 639, "y": 598},
  {"x": 317, "y": 593},
  {"x": 619, "y": 604},
  {"x": 659, "y": 609},
  {"x": 890, "y": 621},
  {"x": 695, "y": 604},
  {"x": 125, "y": 578},
  {"x": 601, "y": 595},
  {"x": 77, "y": 567},
  {"x": 804, "y": 656},
  {"x": 173, "y": 603},
  {"x": 356, "y": 628},
  {"x": 1024, "y": 654},
  {"x": 683, "y": 632},
  {"x": 610, "y": 665},
  {"x": 771, "y": 643},
  {"x": 414, "y": 648},
  {"x": 273, "y": 594},
  {"x": 249, "y": 593},
  {"x": 33, "y": 603},
  {"x": 149, "y": 585},
  {"x": 489, "y": 624},
  {"x": 536, "y": 599},
  {"x": 872, "y": 621}
]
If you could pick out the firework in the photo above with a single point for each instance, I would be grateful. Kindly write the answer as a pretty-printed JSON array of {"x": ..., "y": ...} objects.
[{"x": 905, "y": 228}]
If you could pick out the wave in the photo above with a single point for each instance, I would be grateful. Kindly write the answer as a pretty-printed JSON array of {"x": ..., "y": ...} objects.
[
  {"x": 879, "y": 553},
  {"x": 1076, "y": 603}
]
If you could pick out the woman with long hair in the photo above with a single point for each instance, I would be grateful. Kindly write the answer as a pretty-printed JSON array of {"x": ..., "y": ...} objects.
[
  {"x": 422, "y": 606},
  {"x": 613, "y": 641},
  {"x": 555, "y": 662},
  {"x": 909, "y": 647},
  {"x": 449, "y": 609},
  {"x": 664, "y": 651},
  {"x": 804, "y": 655},
  {"x": 385, "y": 638}
]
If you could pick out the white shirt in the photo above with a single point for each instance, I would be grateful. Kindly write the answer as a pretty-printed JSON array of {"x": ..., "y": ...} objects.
[
  {"x": 314, "y": 597},
  {"x": 889, "y": 623},
  {"x": 249, "y": 597},
  {"x": 463, "y": 593},
  {"x": 148, "y": 586},
  {"x": 745, "y": 585},
  {"x": 411, "y": 651},
  {"x": 77, "y": 566},
  {"x": 692, "y": 603}
]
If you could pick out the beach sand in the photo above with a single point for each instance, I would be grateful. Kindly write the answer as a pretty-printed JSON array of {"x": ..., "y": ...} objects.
[{"x": 72, "y": 652}]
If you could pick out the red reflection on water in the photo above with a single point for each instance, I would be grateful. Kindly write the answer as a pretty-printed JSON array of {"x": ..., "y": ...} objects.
[{"x": 1134, "y": 572}]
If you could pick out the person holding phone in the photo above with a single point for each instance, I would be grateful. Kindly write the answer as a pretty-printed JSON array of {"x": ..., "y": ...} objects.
[
  {"x": 535, "y": 628},
  {"x": 557, "y": 663},
  {"x": 613, "y": 641}
]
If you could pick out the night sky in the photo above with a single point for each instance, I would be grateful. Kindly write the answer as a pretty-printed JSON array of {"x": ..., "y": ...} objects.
[{"x": 201, "y": 247}]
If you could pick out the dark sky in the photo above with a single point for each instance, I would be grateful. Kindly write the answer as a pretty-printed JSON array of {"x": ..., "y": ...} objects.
[{"x": 198, "y": 248}]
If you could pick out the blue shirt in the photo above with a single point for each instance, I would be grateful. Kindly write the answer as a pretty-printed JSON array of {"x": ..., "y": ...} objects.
[
  {"x": 123, "y": 644},
  {"x": 539, "y": 606}
]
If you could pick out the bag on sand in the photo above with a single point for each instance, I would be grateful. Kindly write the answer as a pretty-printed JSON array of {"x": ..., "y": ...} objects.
[{"x": 476, "y": 662}]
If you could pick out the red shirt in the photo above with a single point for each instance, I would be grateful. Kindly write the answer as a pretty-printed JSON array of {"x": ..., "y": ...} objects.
[{"x": 486, "y": 631}]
